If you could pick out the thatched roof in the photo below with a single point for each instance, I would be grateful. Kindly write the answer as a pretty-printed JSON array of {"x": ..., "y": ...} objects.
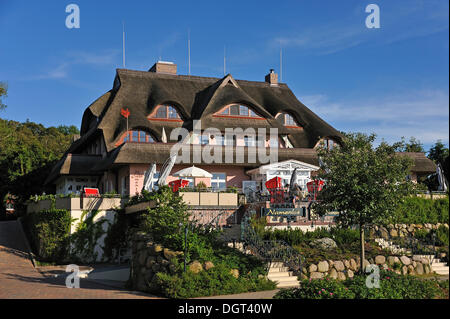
[
  {"x": 422, "y": 164},
  {"x": 140, "y": 153},
  {"x": 76, "y": 165},
  {"x": 196, "y": 98}
]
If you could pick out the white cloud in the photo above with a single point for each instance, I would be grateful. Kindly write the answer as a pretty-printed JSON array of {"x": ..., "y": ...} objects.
[
  {"x": 398, "y": 22},
  {"x": 422, "y": 114},
  {"x": 73, "y": 58}
]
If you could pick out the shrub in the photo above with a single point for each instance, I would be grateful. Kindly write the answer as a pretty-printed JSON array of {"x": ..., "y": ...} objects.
[
  {"x": 215, "y": 281},
  {"x": 48, "y": 233},
  {"x": 167, "y": 221},
  {"x": 442, "y": 236},
  {"x": 392, "y": 286},
  {"x": 417, "y": 210}
]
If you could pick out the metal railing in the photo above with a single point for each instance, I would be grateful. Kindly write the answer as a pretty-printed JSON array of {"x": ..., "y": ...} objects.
[{"x": 268, "y": 250}]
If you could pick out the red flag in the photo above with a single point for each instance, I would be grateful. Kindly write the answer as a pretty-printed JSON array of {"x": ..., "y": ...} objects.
[{"x": 125, "y": 113}]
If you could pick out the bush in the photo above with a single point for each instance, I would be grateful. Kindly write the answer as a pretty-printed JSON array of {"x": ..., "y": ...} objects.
[
  {"x": 215, "y": 281},
  {"x": 442, "y": 236},
  {"x": 392, "y": 286},
  {"x": 417, "y": 210},
  {"x": 167, "y": 221},
  {"x": 49, "y": 233}
]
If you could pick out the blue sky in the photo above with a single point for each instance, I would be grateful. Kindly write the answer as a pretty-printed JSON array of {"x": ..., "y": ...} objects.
[{"x": 392, "y": 81}]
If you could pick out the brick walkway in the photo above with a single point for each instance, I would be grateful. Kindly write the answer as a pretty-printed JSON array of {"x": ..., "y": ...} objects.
[{"x": 19, "y": 279}]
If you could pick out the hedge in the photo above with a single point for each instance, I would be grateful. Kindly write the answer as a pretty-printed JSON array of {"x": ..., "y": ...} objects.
[
  {"x": 418, "y": 210},
  {"x": 48, "y": 232}
]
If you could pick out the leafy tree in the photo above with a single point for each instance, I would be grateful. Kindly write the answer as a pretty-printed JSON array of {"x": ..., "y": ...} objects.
[
  {"x": 28, "y": 151},
  {"x": 364, "y": 184},
  {"x": 414, "y": 145},
  {"x": 68, "y": 130},
  {"x": 3, "y": 92},
  {"x": 168, "y": 219},
  {"x": 438, "y": 152}
]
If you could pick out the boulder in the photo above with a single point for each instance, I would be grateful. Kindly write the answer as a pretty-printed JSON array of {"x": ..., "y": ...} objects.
[
  {"x": 333, "y": 273},
  {"x": 350, "y": 273},
  {"x": 312, "y": 268},
  {"x": 404, "y": 270},
  {"x": 208, "y": 265},
  {"x": 235, "y": 273},
  {"x": 393, "y": 260},
  {"x": 341, "y": 276},
  {"x": 366, "y": 263},
  {"x": 324, "y": 243},
  {"x": 380, "y": 260},
  {"x": 384, "y": 233},
  {"x": 169, "y": 254},
  {"x": 419, "y": 269},
  {"x": 393, "y": 233},
  {"x": 427, "y": 269},
  {"x": 353, "y": 265},
  {"x": 323, "y": 266},
  {"x": 405, "y": 260},
  {"x": 316, "y": 275},
  {"x": 411, "y": 270},
  {"x": 195, "y": 267},
  {"x": 347, "y": 264},
  {"x": 339, "y": 265}
]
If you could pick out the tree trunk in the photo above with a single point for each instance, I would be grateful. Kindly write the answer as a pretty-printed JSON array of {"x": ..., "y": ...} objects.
[{"x": 361, "y": 233}]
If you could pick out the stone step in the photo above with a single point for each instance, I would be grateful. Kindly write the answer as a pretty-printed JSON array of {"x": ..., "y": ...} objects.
[
  {"x": 442, "y": 272},
  {"x": 439, "y": 265},
  {"x": 440, "y": 268},
  {"x": 276, "y": 264},
  {"x": 288, "y": 285},
  {"x": 280, "y": 274},
  {"x": 283, "y": 280},
  {"x": 278, "y": 269}
]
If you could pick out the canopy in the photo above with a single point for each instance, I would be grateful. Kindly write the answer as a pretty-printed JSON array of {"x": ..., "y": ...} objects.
[{"x": 193, "y": 172}]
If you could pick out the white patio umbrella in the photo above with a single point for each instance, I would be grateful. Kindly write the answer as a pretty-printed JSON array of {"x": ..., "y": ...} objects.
[
  {"x": 192, "y": 172},
  {"x": 163, "y": 136}
]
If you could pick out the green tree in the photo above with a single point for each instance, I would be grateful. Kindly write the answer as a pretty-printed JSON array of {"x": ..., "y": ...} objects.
[
  {"x": 27, "y": 153},
  {"x": 167, "y": 221},
  {"x": 414, "y": 145},
  {"x": 438, "y": 152},
  {"x": 363, "y": 183},
  {"x": 68, "y": 130},
  {"x": 3, "y": 92}
]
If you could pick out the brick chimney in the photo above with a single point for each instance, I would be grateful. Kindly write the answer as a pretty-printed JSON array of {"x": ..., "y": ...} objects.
[
  {"x": 272, "y": 78},
  {"x": 164, "y": 67}
]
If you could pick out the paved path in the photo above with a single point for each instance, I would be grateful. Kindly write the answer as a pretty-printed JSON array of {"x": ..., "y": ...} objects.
[{"x": 19, "y": 279}]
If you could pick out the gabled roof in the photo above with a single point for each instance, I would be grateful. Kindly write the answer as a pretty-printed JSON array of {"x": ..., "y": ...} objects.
[
  {"x": 196, "y": 98},
  {"x": 289, "y": 164}
]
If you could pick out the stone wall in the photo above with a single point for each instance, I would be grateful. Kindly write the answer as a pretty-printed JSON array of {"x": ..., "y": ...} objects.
[
  {"x": 400, "y": 230},
  {"x": 149, "y": 258},
  {"x": 343, "y": 269}
]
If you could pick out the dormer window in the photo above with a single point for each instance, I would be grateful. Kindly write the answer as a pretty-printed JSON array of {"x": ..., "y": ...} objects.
[
  {"x": 287, "y": 120},
  {"x": 167, "y": 112},
  {"x": 238, "y": 110},
  {"x": 138, "y": 136}
]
